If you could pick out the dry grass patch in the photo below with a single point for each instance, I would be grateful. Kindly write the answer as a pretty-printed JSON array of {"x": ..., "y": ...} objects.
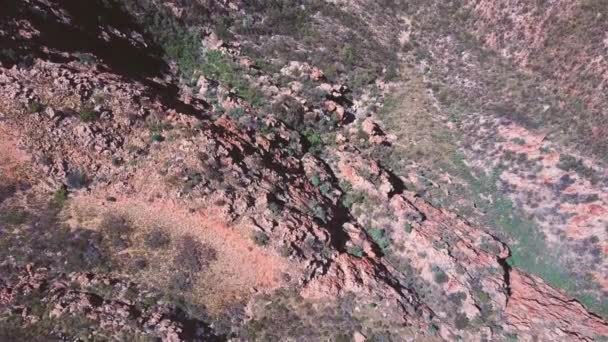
[{"x": 192, "y": 254}]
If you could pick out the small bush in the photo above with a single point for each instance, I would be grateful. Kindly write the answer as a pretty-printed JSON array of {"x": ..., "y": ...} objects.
[
  {"x": 34, "y": 107},
  {"x": 483, "y": 297},
  {"x": 461, "y": 321},
  {"x": 157, "y": 239},
  {"x": 138, "y": 264},
  {"x": 356, "y": 251},
  {"x": 87, "y": 113},
  {"x": 379, "y": 237},
  {"x": 315, "y": 141},
  {"x": 192, "y": 255},
  {"x": 76, "y": 179},
  {"x": 156, "y": 137},
  {"x": 260, "y": 238},
  {"x": 440, "y": 276},
  {"x": 275, "y": 207},
  {"x": 319, "y": 212},
  {"x": 518, "y": 141},
  {"x": 325, "y": 188},
  {"x": 117, "y": 231},
  {"x": 571, "y": 163},
  {"x": 9, "y": 54},
  {"x": 408, "y": 227},
  {"x": 457, "y": 298},
  {"x": 315, "y": 180},
  {"x": 351, "y": 198},
  {"x": 236, "y": 113},
  {"x": 60, "y": 196}
]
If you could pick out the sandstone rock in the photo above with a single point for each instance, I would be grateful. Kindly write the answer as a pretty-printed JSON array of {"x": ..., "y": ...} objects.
[
  {"x": 373, "y": 130},
  {"x": 50, "y": 112},
  {"x": 317, "y": 74},
  {"x": 359, "y": 337},
  {"x": 536, "y": 308}
]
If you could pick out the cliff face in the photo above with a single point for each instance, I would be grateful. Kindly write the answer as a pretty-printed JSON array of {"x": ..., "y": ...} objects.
[{"x": 222, "y": 170}]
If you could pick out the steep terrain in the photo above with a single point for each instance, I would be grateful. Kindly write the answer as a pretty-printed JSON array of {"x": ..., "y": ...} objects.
[{"x": 298, "y": 170}]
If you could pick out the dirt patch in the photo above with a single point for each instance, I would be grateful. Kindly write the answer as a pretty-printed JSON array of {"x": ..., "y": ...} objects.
[
  {"x": 13, "y": 162},
  {"x": 239, "y": 268}
]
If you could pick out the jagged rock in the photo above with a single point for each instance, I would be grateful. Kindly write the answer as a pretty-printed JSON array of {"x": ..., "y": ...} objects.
[
  {"x": 253, "y": 175},
  {"x": 373, "y": 130},
  {"x": 535, "y": 306}
]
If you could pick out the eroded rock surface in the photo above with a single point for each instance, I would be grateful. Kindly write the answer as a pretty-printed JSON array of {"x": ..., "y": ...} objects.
[{"x": 327, "y": 222}]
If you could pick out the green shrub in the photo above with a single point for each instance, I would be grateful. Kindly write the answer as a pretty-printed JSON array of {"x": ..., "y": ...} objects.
[
  {"x": 157, "y": 137},
  {"x": 34, "y": 107},
  {"x": 379, "y": 237},
  {"x": 318, "y": 211},
  {"x": 260, "y": 238},
  {"x": 275, "y": 207},
  {"x": 408, "y": 227},
  {"x": 356, "y": 251},
  {"x": 461, "y": 321},
  {"x": 315, "y": 141},
  {"x": 315, "y": 180},
  {"x": 76, "y": 179},
  {"x": 87, "y": 113},
  {"x": 60, "y": 196},
  {"x": 439, "y": 275},
  {"x": 220, "y": 67}
]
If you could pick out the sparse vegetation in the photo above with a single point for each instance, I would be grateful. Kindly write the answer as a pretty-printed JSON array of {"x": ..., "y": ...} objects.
[
  {"x": 260, "y": 238},
  {"x": 193, "y": 255},
  {"x": 157, "y": 239},
  {"x": 380, "y": 238},
  {"x": 356, "y": 251},
  {"x": 450, "y": 168},
  {"x": 317, "y": 210},
  {"x": 87, "y": 113},
  {"x": 35, "y": 107},
  {"x": 14, "y": 216},
  {"x": 461, "y": 321},
  {"x": 408, "y": 227},
  {"x": 571, "y": 163},
  {"x": 157, "y": 137},
  {"x": 439, "y": 275},
  {"x": 117, "y": 231},
  {"x": 60, "y": 196},
  {"x": 76, "y": 179}
]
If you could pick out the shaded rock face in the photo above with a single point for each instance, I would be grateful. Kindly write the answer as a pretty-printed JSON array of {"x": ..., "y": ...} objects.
[
  {"x": 116, "y": 131},
  {"x": 533, "y": 304}
]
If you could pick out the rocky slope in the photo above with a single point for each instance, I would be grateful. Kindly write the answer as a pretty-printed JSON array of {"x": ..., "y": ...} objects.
[{"x": 170, "y": 172}]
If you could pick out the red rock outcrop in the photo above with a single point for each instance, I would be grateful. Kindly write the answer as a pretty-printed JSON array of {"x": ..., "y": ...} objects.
[{"x": 536, "y": 307}]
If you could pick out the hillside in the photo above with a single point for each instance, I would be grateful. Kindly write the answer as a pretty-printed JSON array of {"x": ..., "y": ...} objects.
[{"x": 306, "y": 170}]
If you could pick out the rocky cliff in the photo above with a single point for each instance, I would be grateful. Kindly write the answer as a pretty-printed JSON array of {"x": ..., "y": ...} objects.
[{"x": 225, "y": 170}]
